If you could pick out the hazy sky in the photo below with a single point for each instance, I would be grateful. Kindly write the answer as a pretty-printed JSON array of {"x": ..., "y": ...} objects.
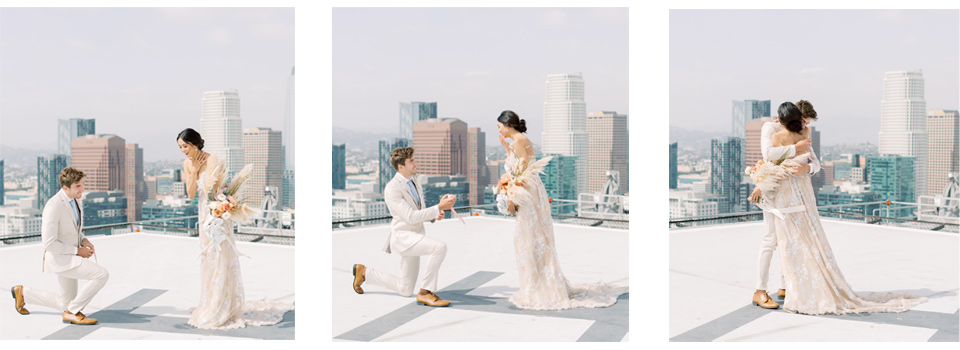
[
  {"x": 140, "y": 72},
  {"x": 834, "y": 58},
  {"x": 474, "y": 62}
]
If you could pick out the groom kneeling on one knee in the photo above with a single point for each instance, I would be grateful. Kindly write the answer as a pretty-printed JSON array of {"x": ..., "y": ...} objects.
[
  {"x": 65, "y": 253},
  {"x": 407, "y": 238}
]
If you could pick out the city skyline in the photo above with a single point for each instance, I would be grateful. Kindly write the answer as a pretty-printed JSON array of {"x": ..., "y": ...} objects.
[
  {"x": 459, "y": 58},
  {"x": 64, "y": 63},
  {"x": 838, "y": 65}
]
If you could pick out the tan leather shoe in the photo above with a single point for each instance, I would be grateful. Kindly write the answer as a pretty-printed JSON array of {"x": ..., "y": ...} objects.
[
  {"x": 17, "y": 292},
  {"x": 359, "y": 275},
  {"x": 79, "y": 319},
  {"x": 782, "y": 293},
  {"x": 763, "y": 300},
  {"x": 431, "y": 300}
]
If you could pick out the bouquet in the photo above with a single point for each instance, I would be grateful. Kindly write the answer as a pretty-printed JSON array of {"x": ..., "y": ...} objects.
[
  {"x": 510, "y": 187},
  {"x": 768, "y": 176},
  {"x": 223, "y": 201}
]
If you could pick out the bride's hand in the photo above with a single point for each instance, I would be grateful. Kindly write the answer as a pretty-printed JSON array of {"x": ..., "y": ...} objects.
[
  {"x": 801, "y": 169},
  {"x": 511, "y": 208},
  {"x": 755, "y": 196},
  {"x": 199, "y": 161},
  {"x": 503, "y": 141}
]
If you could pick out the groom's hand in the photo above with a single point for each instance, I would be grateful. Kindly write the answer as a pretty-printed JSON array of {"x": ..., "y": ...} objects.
[
  {"x": 86, "y": 244},
  {"x": 84, "y": 252},
  {"x": 447, "y": 202},
  {"x": 803, "y": 146},
  {"x": 440, "y": 217}
]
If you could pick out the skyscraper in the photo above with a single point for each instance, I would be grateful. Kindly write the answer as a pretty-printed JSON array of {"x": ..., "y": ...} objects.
[
  {"x": 943, "y": 152},
  {"x": 135, "y": 187},
  {"x": 289, "y": 191},
  {"x": 289, "y": 145},
  {"x": 2, "y": 190},
  {"x": 103, "y": 159},
  {"x": 220, "y": 127},
  {"x": 385, "y": 170},
  {"x": 69, "y": 129},
  {"x": 48, "y": 177},
  {"x": 903, "y": 124},
  {"x": 440, "y": 146},
  {"x": 674, "y": 176},
  {"x": 415, "y": 112},
  {"x": 476, "y": 164},
  {"x": 608, "y": 148},
  {"x": 564, "y": 122},
  {"x": 560, "y": 181},
  {"x": 340, "y": 167},
  {"x": 752, "y": 141},
  {"x": 263, "y": 148},
  {"x": 745, "y": 111},
  {"x": 104, "y": 207},
  {"x": 726, "y": 165},
  {"x": 289, "y": 136},
  {"x": 892, "y": 177},
  {"x": 818, "y": 179}
]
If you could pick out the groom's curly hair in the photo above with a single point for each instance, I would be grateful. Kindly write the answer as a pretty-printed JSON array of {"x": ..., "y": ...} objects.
[
  {"x": 70, "y": 176},
  {"x": 399, "y": 156}
]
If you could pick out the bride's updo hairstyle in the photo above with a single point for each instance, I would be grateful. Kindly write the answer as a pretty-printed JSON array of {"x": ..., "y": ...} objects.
[
  {"x": 806, "y": 109},
  {"x": 508, "y": 118},
  {"x": 790, "y": 116},
  {"x": 192, "y": 137}
]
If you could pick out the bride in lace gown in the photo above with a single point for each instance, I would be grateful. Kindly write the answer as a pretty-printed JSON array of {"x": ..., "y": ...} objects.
[
  {"x": 812, "y": 278},
  {"x": 542, "y": 283},
  {"x": 222, "y": 304}
]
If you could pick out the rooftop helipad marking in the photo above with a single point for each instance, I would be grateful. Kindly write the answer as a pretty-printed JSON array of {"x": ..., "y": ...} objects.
[
  {"x": 947, "y": 325},
  {"x": 610, "y": 324},
  {"x": 120, "y": 315}
]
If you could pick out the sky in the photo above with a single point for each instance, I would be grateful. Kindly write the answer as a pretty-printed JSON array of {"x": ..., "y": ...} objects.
[
  {"x": 836, "y": 59},
  {"x": 140, "y": 72},
  {"x": 474, "y": 62}
]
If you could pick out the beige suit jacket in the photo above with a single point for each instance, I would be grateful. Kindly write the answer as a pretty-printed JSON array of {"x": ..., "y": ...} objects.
[
  {"x": 406, "y": 229},
  {"x": 61, "y": 234}
]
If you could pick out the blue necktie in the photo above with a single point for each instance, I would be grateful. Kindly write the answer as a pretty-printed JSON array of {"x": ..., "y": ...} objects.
[
  {"x": 413, "y": 191},
  {"x": 73, "y": 205}
]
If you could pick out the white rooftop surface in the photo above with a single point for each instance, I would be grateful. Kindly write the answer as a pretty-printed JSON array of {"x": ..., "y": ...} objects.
[
  {"x": 713, "y": 277},
  {"x": 154, "y": 282},
  {"x": 477, "y": 276}
]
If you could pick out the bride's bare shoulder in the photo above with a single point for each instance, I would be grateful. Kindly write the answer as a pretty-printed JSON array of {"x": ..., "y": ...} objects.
[
  {"x": 522, "y": 146},
  {"x": 779, "y": 138}
]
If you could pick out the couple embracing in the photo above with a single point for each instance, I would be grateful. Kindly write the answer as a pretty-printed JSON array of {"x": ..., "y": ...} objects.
[
  {"x": 542, "y": 283},
  {"x": 811, "y": 281}
]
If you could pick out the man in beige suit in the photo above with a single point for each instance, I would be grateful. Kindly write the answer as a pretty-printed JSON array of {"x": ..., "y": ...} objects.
[
  {"x": 404, "y": 198},
  {"x": 65, "y": 253}
]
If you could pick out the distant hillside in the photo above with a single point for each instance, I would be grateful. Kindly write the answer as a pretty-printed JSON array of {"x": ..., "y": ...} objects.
[
  {"x": 694, "y": 138},
  {"x": 358, "y": 140},
  {"x": 21, "y": 159}
]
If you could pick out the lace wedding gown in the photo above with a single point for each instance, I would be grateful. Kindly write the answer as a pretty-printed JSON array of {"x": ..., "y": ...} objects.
[
  {"x": 222, "y": 303},
  {"x": 542, "y": 284},
  {"x": 812, "y": 278}
]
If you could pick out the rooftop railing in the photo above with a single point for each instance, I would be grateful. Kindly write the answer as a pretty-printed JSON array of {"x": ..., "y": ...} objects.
[
  {"x": 284, "y": 235},
  {"x": 619, "y": 220},
  {"x": 929, "y": 217}
]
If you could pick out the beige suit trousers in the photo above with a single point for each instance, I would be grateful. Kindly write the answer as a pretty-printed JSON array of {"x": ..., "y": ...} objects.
[
  {"x": 435, "y": 249},
  {"x": 69, "y": 299}
]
